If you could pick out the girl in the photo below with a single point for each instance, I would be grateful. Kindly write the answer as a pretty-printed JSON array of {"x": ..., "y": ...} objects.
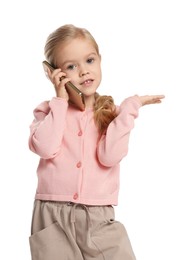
[{"x": 80, "y": 154}]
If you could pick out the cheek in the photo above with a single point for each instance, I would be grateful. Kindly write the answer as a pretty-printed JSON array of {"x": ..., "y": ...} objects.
[
  {"x": 99, "y": 72},
  {"x": 73, "y": 75}
]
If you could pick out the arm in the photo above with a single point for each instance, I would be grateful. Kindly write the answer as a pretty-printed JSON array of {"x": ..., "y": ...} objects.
[
  {"x": 113, "y": 146},
  {"x": 47, "y": 129}
]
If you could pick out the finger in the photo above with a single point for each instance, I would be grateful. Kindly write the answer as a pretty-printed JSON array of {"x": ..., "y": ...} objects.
[
  {"x": 57, "y": 76},
  {"x": 156, "y": 99},
  {"x": 158, "y": 96},
  {"x": 64, "y": 80}
]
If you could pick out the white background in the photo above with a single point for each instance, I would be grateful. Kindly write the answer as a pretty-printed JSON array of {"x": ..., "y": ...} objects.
[{"x": 142, "y": 48}]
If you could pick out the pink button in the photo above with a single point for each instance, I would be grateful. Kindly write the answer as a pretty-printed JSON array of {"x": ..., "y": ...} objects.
[
  {"x": 79, "y": 133},
  {"x": 79, "y": 164},
  {"x": 75, "y": 196}
]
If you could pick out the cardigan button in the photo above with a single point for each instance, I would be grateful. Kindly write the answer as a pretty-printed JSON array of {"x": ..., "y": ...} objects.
[
  {"x": 79, "y": 164},
  {"x": 75, "y": 196},
  {"x": 79, "y": 133}
]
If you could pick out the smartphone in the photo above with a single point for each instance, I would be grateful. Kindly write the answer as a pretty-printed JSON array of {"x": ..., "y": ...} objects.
[{"x": 76, "y": 97}]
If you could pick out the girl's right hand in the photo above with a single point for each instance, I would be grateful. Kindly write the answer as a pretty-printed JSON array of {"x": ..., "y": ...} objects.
[{"x": 59, "y": 85}]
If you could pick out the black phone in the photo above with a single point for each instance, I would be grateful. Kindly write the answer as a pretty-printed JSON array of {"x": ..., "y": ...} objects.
[{"x": 76, "y": 97}]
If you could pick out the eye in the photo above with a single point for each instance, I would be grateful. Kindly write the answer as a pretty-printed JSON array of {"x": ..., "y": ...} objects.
[
  {"x": 71, "y": 67},
  {"x": 90, "y": 60}
]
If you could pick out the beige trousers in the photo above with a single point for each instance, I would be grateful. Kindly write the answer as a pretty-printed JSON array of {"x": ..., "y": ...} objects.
[{"x": 67, "y": 231}]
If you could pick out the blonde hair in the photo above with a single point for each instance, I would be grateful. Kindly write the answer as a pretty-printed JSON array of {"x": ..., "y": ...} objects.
[{"x": 104, "y": 108}]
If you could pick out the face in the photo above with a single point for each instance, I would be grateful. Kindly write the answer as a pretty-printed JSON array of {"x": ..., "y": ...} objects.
[{"x": 82, "y": 64}]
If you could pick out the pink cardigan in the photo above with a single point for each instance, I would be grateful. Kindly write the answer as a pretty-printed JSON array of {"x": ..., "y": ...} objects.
[{"x": 74, "y": 165}]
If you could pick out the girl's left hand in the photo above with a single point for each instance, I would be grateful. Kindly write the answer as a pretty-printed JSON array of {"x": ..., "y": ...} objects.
[{"x": 150, "y": 99}]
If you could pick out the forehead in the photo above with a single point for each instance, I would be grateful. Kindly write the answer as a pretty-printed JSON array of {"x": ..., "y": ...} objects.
[{"x": 76, "y": 49}]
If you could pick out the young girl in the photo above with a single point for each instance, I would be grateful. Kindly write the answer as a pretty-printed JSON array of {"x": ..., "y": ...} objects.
[{"x": 80, "y": 154}]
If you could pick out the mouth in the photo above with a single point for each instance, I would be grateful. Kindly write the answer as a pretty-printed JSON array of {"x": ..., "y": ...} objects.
[{"x": 87, "y": 82}]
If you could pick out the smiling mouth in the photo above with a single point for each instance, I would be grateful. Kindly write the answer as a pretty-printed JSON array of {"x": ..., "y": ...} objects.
[{"x": 87, "y": 82}]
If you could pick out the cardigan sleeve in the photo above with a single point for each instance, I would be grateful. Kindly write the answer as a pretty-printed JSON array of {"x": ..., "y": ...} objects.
[
  {"x": 47, "y": 128},
  {"x": 113, "y": 145}
]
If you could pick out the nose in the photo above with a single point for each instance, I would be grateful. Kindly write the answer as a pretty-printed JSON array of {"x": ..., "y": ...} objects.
[{"x": 83, "y": 71}]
